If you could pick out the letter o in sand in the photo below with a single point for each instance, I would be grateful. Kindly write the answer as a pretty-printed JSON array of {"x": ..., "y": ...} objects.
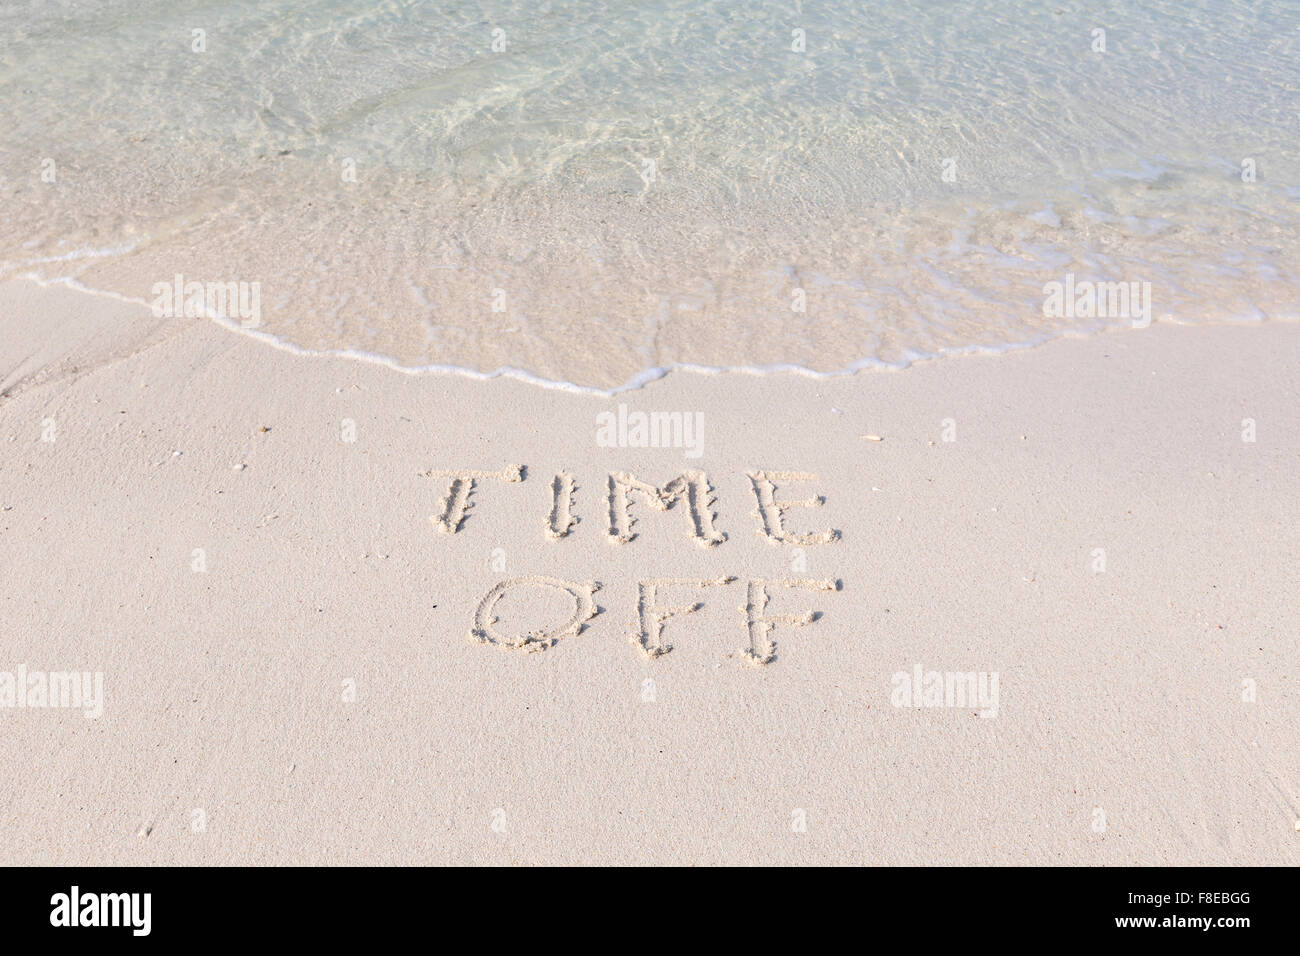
[{"x": 584, "y": 609}]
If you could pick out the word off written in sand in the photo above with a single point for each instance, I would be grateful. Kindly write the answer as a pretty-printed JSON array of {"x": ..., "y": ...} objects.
[{"x": 697, "y": 492}]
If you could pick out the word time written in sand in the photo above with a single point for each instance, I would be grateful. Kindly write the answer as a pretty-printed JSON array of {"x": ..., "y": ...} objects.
[{"x": 690, "y": 489}]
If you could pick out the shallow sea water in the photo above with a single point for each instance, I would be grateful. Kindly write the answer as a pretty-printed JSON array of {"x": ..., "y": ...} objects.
[{"x": 592, "y": 190}]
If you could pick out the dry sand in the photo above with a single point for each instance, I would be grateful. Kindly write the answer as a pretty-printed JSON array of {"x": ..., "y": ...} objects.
[{"x": 289, "y": 674}]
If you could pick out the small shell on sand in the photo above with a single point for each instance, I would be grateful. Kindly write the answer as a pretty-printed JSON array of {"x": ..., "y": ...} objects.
[{"x": 873, "y": 438}]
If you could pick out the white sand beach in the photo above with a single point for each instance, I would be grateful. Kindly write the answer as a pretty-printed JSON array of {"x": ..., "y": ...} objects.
[{"x": 243, "y": 543}]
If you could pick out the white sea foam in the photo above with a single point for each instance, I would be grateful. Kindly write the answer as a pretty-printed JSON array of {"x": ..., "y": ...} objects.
[{"x": 642, "y": 378}]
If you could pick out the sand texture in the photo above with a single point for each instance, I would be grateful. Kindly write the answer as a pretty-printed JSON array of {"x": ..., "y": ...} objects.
[{"x": 348, "y": 615}]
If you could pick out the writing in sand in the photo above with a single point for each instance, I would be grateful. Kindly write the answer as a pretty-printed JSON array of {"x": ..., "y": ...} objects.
[{"x": 691, "y": 489}]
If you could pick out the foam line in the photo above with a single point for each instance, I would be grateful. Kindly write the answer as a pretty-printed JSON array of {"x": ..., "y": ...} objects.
[{"x": 637, "y": 381}]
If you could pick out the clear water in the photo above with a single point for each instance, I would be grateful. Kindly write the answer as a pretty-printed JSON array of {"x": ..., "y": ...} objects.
[{"x": 505, "y": 210}]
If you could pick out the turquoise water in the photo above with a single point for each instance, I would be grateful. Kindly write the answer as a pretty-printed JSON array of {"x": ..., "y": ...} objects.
[{"x": 587, "y": 190}]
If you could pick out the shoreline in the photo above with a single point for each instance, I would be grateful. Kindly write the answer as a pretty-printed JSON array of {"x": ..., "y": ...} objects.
[
  {"x": 283, "y": 606},
  {"x": 648, "y": 375}
]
